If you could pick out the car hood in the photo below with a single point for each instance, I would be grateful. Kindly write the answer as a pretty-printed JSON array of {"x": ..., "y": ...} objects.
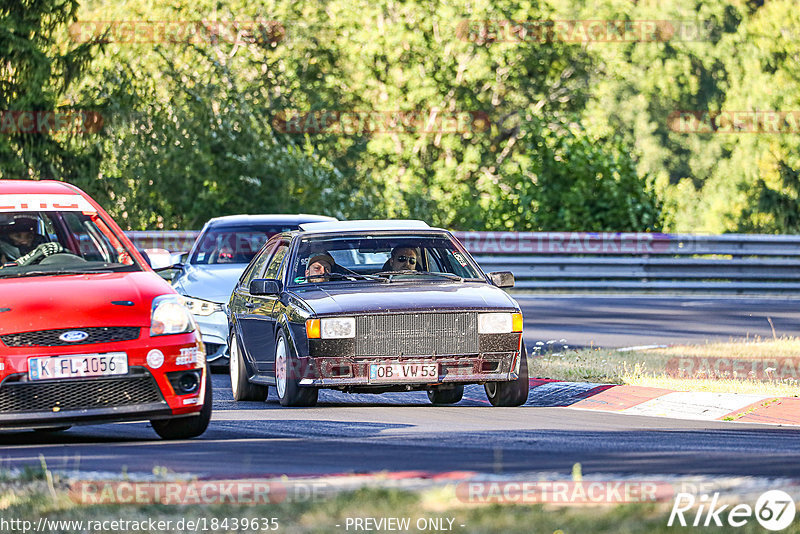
[
  {"x": 74, "y": 301},
  {"x": 214, "y": 283},
  {"x": 397, "y": 297}
]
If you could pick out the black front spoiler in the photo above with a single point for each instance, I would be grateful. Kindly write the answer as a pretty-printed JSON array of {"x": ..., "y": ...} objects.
[{"x": 141, "y": 412}]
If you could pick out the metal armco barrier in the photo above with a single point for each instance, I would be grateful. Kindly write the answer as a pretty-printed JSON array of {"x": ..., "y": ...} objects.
[{"x": 588, "y": 261}]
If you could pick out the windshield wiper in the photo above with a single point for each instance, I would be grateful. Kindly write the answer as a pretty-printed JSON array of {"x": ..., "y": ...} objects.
[
  {"x": 449, "y": 276},
  {"x": 337, "y": 276},
  {"x": 360, "y": 276}
]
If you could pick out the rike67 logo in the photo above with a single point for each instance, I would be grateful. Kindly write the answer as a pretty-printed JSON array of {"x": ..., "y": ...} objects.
[{"x": 774, "y": 510}]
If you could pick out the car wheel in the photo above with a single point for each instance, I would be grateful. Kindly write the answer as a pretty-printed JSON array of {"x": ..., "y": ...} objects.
[
  {"x": 243, "y": 390},
  {"x": 513, "y": 393},
  {"x": 289, "y": 391},
  {"x": 190, "y": 426},
  {"x": 445, "y": 395}
]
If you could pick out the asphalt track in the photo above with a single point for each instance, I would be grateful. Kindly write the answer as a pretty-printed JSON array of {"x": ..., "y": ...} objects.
[
  {"x": 401, "y": 431},
  {"x": 631, "y": 320}
]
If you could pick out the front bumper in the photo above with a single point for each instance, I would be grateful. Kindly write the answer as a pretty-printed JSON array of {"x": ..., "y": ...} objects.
[
  {"x": 214, "y": 332},
  {"x": 135, "y": 396},
  {"x": 348, "y": 371},
  {"x": 144, "y": 412},
  {"x": 143, "y": 393}
]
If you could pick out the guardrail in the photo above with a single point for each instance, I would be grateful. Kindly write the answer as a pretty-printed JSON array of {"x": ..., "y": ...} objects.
[{"x": 589, "y": 261}]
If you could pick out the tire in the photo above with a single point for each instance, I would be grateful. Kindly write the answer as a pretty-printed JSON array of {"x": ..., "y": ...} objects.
[
  {"x": 289, "y": 391},
  {"x": 243, "y": 390},
  {"x": 219, "y": 369},
  {"x": 513, "y": 393},
  {"x": 190, "y": 426},
  {"x": 446, "y": 395}
]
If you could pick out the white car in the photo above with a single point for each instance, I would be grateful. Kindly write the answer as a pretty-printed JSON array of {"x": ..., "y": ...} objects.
[{"x": 211, "y": 269}]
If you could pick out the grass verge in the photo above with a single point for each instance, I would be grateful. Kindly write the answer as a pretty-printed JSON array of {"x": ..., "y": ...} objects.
[
  {"x": 765, "y": 367},
  {"x": 428, "y": 511}
]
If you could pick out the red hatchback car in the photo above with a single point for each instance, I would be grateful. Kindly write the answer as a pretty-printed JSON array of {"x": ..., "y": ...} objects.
[{"x": 88, "y": 332}]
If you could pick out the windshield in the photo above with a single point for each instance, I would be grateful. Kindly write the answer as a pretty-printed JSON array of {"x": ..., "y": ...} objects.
[
  {"x": 392, "y": 257},
  {"x": 235, "y": 245},
  {"x": 47, "y": 242}
]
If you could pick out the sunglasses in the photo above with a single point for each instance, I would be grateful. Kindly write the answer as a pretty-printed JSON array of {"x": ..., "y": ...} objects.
[{"x": 407, "y": 259}]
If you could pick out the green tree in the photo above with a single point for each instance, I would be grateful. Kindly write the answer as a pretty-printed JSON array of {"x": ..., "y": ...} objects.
[
  {"x": 773, "y": 209},
  {"x": 572, "y": 181},
  {"x": 189, "y": 131},
  {"x": 36, "y": 72},
  {"x": 421, "y": 56}
]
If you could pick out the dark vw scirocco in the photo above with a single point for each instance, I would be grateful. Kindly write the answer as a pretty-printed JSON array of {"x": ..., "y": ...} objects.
[{"x": 370, "y": 307}]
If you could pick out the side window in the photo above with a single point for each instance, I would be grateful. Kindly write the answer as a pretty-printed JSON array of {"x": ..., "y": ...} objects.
[
  {"x": 257, "y": 265},
  {"x": 275, "y": 262}
]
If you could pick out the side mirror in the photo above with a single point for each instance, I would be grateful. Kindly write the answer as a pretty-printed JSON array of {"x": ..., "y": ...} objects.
[
  {"x": 146, "y": 257},
  {"x": 158, "y": 258},
  {"x": 265, "y": 286},
  {"x": 502, "y": 279}
]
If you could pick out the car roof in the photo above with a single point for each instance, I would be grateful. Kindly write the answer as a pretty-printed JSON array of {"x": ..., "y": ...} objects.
[
  {"x": 262, "y": 219},
  {"x": 365, "y": 226},
  {"x": 42, "y": 187},
  {"x": 42, "y": 195}
]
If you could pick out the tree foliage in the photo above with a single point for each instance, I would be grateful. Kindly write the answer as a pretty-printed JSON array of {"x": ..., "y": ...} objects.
[
  {"x": 36, "y": 72},
  {"x": 577, "y": 137}
]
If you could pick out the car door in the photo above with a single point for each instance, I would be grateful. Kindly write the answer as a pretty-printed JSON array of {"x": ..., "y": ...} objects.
[
  {"x": 260, "y": 325},
  {"x": 241, "y": 305}
]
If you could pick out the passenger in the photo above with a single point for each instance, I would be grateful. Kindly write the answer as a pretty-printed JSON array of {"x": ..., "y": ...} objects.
[
  {"x": 318, "y": 266},
  {"x": 402, "y": 259}
]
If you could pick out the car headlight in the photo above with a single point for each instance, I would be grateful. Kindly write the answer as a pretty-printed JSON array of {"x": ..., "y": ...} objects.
[
  {"x": 499, "y": 323},
  {"x": 200, "y": 306},
  {"x": 331, "y": 328},
  {"x": 169, "y": 316}
]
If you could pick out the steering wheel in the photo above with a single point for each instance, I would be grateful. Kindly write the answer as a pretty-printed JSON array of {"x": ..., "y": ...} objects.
[
  {"x": 61, "y": 257},
  {"x": 38, "y": 254}
]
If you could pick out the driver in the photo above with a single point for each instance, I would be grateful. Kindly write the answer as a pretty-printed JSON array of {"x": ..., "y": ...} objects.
[
  {"x": 21, "y": 244},
  {"x": 318, "y": 267},
  {"x": 225, "y": 254}
]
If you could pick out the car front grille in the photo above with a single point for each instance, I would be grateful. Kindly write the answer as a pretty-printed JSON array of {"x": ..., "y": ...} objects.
[
  {"x": 212, "y": 348},
  {"x": 50, "y": 338},
  {"x": 417, "y": 334},
  {"x": 78, "y": 394}
]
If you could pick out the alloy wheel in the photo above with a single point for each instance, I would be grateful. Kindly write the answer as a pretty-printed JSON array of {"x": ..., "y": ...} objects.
[{"x": 280, "y": 368}]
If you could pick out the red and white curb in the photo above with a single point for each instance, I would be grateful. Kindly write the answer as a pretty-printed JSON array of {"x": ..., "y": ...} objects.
[{"x": 705, "y": 406}]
